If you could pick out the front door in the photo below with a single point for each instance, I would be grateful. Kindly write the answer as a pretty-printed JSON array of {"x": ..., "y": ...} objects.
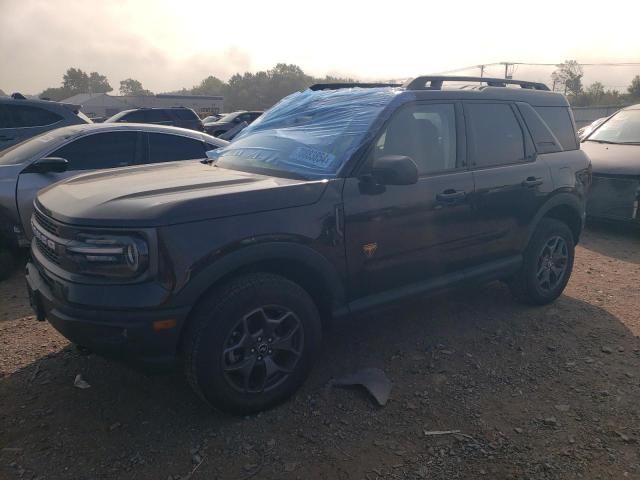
[{"x": 400, "y": 235}]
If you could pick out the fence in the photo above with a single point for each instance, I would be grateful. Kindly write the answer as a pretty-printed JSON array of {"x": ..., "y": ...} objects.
[{"x": 586, "y": 115}]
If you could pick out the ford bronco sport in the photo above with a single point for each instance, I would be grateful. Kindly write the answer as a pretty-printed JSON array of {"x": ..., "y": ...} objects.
[{"x": 339, "y": 199}]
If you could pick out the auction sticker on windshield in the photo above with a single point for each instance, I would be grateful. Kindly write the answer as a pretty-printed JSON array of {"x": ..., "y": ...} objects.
[{"x": 310, "y": 157}]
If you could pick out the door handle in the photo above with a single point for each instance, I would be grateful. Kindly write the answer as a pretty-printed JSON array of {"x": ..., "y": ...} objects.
[
  {"x": 450, "y": 196},
  {"x": 532, "y": 182}
]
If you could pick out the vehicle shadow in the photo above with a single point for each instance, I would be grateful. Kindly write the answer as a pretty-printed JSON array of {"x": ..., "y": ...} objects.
[
  {"x": 613, "y": 240},
  {"x": 128, "y": 424}
]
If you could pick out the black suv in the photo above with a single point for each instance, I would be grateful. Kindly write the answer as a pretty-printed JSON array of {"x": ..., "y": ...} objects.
[
  {"x": 341, "y": 199},
  {"x": 21, "y": 118},
  {"x": 175, "y": 116}
]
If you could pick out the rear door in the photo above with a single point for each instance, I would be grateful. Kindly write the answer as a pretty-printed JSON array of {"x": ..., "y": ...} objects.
[
  {"x": 170, "y": 148},
  {"x": 511, "y": 183},
  {"x": 92, "y": 152},
  {"x": 404, "y": 234},
  {"x": 20, "y": 122}
]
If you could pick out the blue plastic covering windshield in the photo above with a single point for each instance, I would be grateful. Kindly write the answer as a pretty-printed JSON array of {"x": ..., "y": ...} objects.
[{"x": 310, "y": 133}]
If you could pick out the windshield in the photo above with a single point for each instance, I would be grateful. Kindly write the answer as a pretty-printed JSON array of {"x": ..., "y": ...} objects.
[
  {"x": 623, "y": 127},
  {"x": 229, "y": 117},
  {"x": 309, "y": 134},
  {"x": 25, "y": 150}
]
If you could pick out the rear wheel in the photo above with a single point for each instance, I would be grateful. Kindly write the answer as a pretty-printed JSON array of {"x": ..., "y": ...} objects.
[
  {"x": 251, "y": 344},
  {"x": 547, "y": 264}
]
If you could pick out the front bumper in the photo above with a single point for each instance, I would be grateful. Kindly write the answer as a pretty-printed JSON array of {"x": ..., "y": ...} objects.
[
  {"x": 614, "y": 198},
  {"x": 127, "y": 335}
]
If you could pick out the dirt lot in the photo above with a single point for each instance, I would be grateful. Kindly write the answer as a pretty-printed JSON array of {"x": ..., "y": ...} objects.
[{"x": 535, "y": 392}]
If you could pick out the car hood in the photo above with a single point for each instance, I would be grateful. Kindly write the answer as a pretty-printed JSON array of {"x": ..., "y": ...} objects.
[
  {"x": 172, "y": 193},
  {"x": 611, "y": 159}
]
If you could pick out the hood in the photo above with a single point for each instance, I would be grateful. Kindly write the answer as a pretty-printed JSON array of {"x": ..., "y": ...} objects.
[
  {"x": 611, "y": 159},
  {"x": 172, "y": 193}
]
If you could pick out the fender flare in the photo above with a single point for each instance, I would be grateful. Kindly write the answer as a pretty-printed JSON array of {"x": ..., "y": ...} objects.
[
  {"x": 220, "y": 267},
  {"x": 563, "y": 199}
]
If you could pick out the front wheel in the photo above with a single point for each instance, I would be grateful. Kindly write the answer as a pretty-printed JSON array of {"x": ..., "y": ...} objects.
[
  {"x": 252, "y": 343},
  {"x": 547, "y": 265}
]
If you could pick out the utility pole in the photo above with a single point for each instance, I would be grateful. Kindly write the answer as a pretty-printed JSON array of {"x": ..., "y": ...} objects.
[
  {"x": 481, "y": 71},
  {"x": 506, "y": 69}
]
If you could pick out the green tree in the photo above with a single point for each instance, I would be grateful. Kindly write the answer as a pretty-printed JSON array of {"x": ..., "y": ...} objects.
[
  {"x": 634, "y": 88},
  {"x": 208, "y": 86},
  {"x": 131, "y": 86},
  {"x": 56, "y": 93},
  {"x": 98, "y": 83},
  {"x": 76, "y": 81},
  {"x": 567, "y": 78}
]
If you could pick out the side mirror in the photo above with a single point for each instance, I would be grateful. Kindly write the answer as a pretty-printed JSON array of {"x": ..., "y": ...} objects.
[
  {"x": 48, "y": 165},
  {"x": 395, "y": 170}
]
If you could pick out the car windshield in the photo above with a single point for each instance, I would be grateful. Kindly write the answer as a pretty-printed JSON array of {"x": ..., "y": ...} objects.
[
  {"x": 229, "y": 117},
  {"x": 308, "y": 134},
  {"x": 25, "y": 150},
  {"x": 623, "y": 127}
]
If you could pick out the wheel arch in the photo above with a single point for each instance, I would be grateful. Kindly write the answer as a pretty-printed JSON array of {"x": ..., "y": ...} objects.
[
  {"x": 564, "y": 207},
  {"x": 298, "y": 263}
]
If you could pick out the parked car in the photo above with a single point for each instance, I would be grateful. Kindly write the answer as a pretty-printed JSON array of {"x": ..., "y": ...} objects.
[
  {"x": 22, "y": 118},
  {"x": 50, "y": 157},
  {"x": 587, "y": 129},
  {"x": 175, "y": 116},
  {"x": 614, "y": 148},
  {"x": 212, "y": 118},
  {"x": 338, "y": 201},
  {"x": 229, "y": 122}
]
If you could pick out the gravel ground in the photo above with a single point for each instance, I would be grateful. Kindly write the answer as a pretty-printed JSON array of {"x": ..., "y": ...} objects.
[{"x": 535, "y": 393}]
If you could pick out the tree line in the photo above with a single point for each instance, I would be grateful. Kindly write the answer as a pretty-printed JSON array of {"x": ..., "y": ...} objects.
[
  {"x": 567, "y": 78},
  {"x": 261, "y": 90},
  {"x": 249, "y": 91}
]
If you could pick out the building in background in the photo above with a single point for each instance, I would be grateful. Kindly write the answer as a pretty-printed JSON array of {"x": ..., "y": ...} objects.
[{"x": 103, "y": 105}]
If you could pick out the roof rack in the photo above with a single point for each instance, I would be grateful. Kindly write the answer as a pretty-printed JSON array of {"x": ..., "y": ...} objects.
[
  {"x": 435, "y": 82},
  {"x": 335, "y": 86}
]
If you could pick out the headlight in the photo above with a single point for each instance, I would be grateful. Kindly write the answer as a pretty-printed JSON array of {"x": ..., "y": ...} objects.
[{"x": 109, "y": 255}]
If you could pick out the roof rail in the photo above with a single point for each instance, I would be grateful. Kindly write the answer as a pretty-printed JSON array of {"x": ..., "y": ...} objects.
[
  {"x": 335, "y": 86},
  {"x": 435, "y": 82}
]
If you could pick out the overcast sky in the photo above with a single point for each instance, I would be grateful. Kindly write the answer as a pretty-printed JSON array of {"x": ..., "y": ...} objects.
[{"x": 168, "y": 45}]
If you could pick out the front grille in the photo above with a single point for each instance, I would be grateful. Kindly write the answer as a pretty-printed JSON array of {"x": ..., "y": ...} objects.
[
  {"x": 45, "y": 223},
  {"x": 48, "y": 252},
  {"x": 613, "y": 197}
]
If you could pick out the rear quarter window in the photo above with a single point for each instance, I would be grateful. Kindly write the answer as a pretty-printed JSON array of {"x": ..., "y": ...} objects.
[
  {"x": 185, "y": 114},
  {"x": 559, "y": 121},
  {"x": 28, "y": 116}
]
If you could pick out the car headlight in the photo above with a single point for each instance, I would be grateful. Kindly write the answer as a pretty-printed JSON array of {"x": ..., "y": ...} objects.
[{"x": 109, "y": 255}]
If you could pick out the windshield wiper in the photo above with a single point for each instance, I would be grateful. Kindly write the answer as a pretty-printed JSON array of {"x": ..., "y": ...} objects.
[{"x": 602, "y": 141}]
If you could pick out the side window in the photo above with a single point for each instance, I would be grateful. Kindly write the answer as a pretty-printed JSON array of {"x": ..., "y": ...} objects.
[
  {"x": 426, "y": 133},
  {"x": 156, "y": 116},
  {"x": 137, "y": 116},
  {"x": 184, "y": 114},
  {"x": 559, "y": 121},
  {"x": 28, "y": 116},
  {"x": 101, "y": 150},
  {"x": 495, "y": 134},
  {"x": 169, "y": 148}
]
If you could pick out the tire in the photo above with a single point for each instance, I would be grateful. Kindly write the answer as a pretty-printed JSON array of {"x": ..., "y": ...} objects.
[
  {"x": 7, "y": 262},
  {"x": 547, "y": 265},
  {"x": 250, "y": 345}
]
